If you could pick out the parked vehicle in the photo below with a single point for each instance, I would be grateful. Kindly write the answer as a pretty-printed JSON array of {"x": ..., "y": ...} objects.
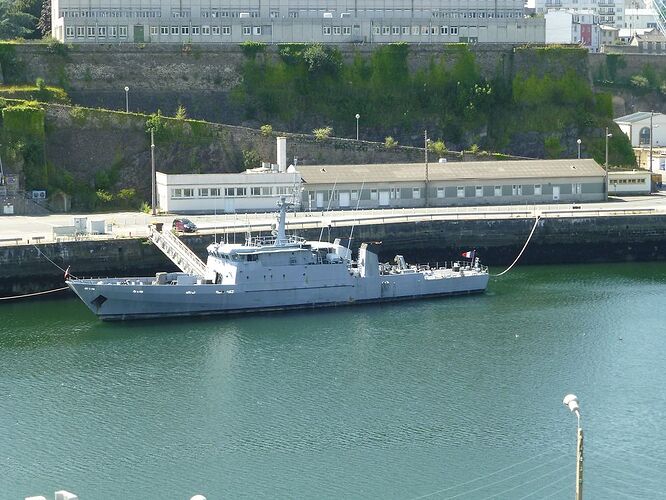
[{"x": 184, "y": 226}]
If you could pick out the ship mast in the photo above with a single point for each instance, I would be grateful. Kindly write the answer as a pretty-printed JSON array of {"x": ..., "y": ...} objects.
[{"x": 281, "y": 238}]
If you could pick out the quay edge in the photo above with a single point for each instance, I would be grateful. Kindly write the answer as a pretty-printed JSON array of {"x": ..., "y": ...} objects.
[{"x": 584, "y": 239}]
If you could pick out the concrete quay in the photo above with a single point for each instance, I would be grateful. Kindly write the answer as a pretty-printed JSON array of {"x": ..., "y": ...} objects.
[{"x": 627, "y": 229}]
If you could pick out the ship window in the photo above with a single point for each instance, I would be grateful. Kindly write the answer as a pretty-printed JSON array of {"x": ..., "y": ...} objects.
[
  {"x": 251, "y": 257},
  {"x": 373, "y": 194},
  {"x": 256, "y": 191},
  {"x": 354, "y": 195}
]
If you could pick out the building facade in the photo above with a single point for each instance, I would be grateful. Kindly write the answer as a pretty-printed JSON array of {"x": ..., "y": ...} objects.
[
  {"x": 415, "y": 185},
  {"x": 280, "y": 21},
  {"x": 632, "y": 182},
  {"x": 647, "y": 133},
  {"x": 580, "y": 27},
  {"x": 608, "y": 12},
  {"x": 409, "y": 185}
]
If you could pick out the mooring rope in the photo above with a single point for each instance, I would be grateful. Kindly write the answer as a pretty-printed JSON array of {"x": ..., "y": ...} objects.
[
  {"x": 536, "y": 222},
  {"x": 65, "y": 271},
  {"x": 34, "y": 294}
]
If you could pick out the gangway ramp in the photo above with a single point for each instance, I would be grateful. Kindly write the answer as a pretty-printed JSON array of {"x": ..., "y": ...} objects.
[{"x": 178, "y": 252}]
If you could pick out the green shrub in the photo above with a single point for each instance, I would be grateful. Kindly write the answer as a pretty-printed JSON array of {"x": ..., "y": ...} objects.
[
  {"x": 251, "y": 159},
  {"x": 640, "y": 82},
  {"x": 266, "y": 130},
  {"x": 322, "y": 133},
  {"x": 181, "y": 112},
  {"x": 438, "y": 147},
  {"x": 390, "y": 142}
]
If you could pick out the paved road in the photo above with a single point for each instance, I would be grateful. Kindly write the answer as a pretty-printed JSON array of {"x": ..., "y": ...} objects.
[{"x": 132, "y": 224}]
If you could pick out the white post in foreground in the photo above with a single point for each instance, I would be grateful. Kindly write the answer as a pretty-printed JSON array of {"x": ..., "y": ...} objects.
[{"x": 571, "y": 401}]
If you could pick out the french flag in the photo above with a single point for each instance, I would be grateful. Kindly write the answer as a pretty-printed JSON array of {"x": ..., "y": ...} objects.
[{"x": 468, "y": 255}]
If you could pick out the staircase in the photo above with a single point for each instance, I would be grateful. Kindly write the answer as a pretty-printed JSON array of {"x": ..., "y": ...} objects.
[{"x": 178, "y": 252}]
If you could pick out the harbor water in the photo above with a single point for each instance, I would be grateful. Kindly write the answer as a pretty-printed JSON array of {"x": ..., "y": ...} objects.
[{"x": 438, "y": 399}]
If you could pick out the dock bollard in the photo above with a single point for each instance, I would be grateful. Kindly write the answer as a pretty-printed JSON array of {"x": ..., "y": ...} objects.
[{"x": 198, "y": 497}]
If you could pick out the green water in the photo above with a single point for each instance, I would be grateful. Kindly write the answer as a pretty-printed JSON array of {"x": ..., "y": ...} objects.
[{"x": 450, "y": 398}]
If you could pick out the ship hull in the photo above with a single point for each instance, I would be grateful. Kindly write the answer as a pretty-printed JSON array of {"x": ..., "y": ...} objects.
[{"x": 139, "y": 298}]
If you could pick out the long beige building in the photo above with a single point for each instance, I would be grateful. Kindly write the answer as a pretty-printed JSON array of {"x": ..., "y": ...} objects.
[
  {"x": 409, "y": 185},
  {"x": 277, "y": 21}
]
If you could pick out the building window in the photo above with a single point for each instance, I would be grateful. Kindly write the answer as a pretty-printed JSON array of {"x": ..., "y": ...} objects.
[
  {"x": 498, "y": 190},
  {"x": 113, "y": 31},
  {"x": 443, "y": 30},
  {"x": 240, "y": 191},
  {"x": 537, "y": 190},
  {"x": 247, "y": 30},
  {"x": 229, "y": 191},
  {"x": 454, "y": 30},
  {"x": 415, "y": 30},
  {"x": 196, "y": 30},
  {"x": 644, "y": 136},
  {"x": 327, "y": 30},
  {"x": 91, "y": 32},
  {"x": 215, "y": 192},
  {"x": 188, "y": 193},
  {"x": 176, "y": 193},
  {"x": 517, "y": 189},
  {"x": 576, "y": 188},
  {"x": 416, "y": 193},
  {"x": 203, "y": 192},
  {"x": 395, "y": 30},
  {"x": 386, "y": 30},
  {"x": 69, "y": 31},
  {"x": 256, "y": 30},
  {"x": 346, "y": 30},
  {"x": 255, "y": 191},
  {"x": 337, "y": 30},
  {"x": 174, "y": 30},
  {"x": 440, "y": 192},
  {"x": 354, "y": 195},
  {"x": 373, "y": 194},
  {"x": 153, "y": 30},
  {"x": 185, "y": 30},
  {"x": 478, "y": 191},
  {"x": 375, "y": 30},
  {"x": 164, "y": 30},
  {"x": 205, "y": 30},
  {"x": 275, "y": 14},
  {"x": 405, "y": 30},
  {"x": 266, "y": 191},
  {"x": 460, "y": 191}
]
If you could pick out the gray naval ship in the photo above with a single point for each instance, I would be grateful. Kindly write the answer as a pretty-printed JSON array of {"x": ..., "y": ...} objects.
[{"x": 269, "y": 274}]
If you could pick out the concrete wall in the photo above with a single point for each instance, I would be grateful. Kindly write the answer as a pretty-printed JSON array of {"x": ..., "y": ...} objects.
[{"x": 564, "y": 240}]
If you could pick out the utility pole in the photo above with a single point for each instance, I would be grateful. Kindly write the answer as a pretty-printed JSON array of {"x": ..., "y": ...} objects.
[
  {"x": 152, "y": 171},
  {"x": 651, "y": 116},
  {"x": 426, "y": 167}
]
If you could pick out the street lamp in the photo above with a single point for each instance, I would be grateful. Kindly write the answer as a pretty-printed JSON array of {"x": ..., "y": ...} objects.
[
  {"x": 571, "y": 401},
  {"x": 579, "y": 142},
  {"x": 126, "y": 99},
  {"x": 357, "y": 117},
  {"x": 152, "y": 171},
  {"x": 608, "y": 136}
]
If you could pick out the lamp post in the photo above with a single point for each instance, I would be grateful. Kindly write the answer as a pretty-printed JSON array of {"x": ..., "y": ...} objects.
[
  {"x": 152, "y": 171},
  {"x": 579, "y": 143},
  {"x": 126, "y": 99},
  {"x": 426, "y": 143},
  {"x": 357, "y": 117},
  {"x": 571, "y": 401},
  {"x": 651, "y": 128},
  {"x": 608, "y": 136}
]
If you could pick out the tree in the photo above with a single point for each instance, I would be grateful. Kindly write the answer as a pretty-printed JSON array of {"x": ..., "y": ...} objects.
[{"x": 14, "y": 22}]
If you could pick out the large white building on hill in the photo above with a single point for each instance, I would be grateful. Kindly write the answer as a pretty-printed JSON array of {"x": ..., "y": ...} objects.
[{"x": 280, "y": 21}]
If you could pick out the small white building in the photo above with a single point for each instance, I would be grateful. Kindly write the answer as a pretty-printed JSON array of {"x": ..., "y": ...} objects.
[
  {"x": 639, "y": 128},
  {"x": 632, "y": 182}
]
